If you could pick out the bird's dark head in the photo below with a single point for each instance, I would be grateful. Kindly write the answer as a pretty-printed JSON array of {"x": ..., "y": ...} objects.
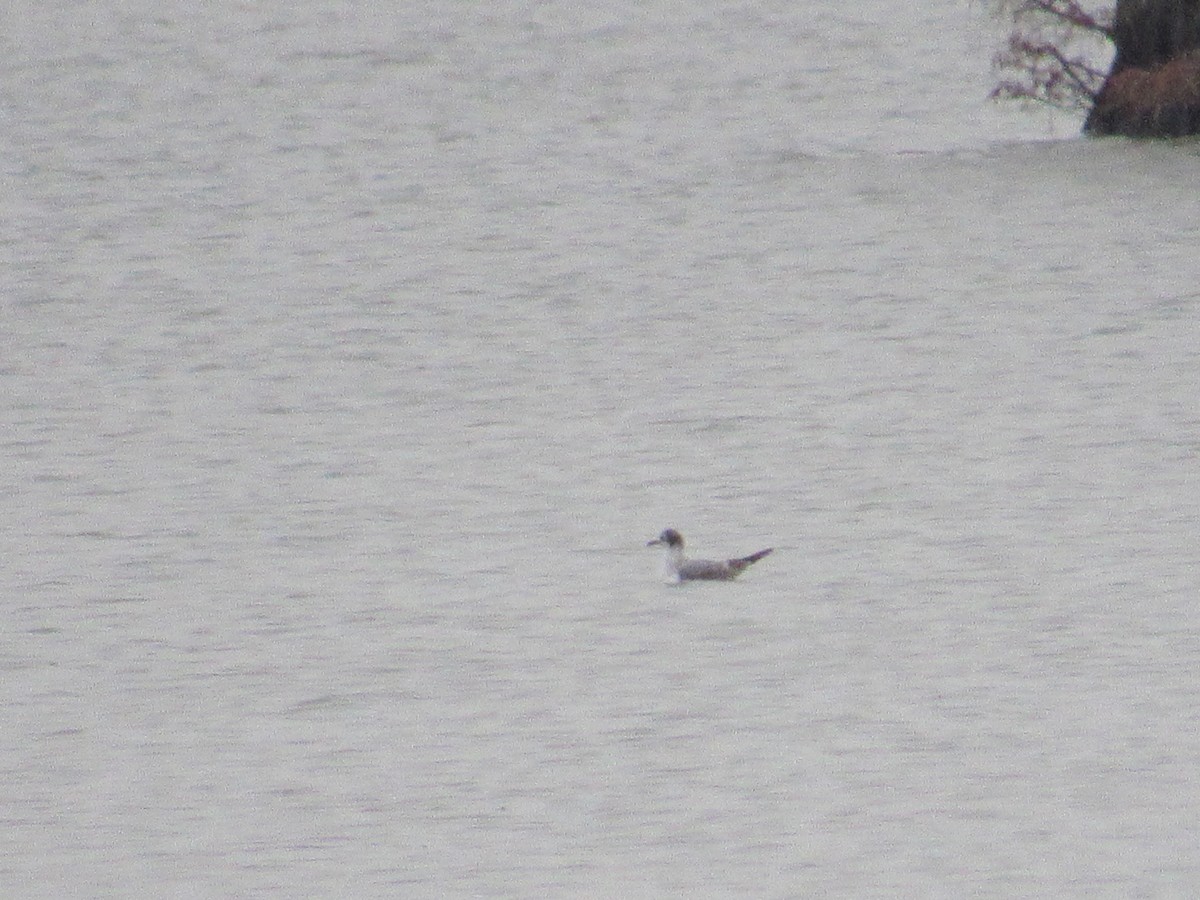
[{"x": 670, "y": 538}]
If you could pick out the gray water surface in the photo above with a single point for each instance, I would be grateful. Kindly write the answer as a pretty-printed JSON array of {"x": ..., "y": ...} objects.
[{"x": 352, "y": 354}]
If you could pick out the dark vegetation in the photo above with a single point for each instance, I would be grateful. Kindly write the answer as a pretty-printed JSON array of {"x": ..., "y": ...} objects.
[{"x": 1152, "y": 88}]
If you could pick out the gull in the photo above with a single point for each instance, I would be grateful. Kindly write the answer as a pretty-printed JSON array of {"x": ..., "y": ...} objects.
[{"x": 681, "y": 569}]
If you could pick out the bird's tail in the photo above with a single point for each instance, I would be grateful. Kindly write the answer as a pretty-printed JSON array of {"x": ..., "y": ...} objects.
[{"x": 740, "y": 564}]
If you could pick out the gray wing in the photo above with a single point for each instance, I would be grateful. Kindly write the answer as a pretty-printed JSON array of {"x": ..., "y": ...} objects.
[{"x": 705, "y": 570}]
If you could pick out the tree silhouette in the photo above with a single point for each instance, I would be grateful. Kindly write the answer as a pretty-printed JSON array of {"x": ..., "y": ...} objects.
[
  {"x": 1152, "y": 88},
  {"x": 1048, "y": 58}
]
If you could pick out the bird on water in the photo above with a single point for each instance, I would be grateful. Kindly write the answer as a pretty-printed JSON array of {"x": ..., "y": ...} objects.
[{"x": 682, "y": 569}]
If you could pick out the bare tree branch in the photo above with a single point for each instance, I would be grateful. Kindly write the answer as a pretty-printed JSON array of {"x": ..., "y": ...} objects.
[
  {"x": 1047, "y": 59},
  {"x": 1069, "y": 12}
]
